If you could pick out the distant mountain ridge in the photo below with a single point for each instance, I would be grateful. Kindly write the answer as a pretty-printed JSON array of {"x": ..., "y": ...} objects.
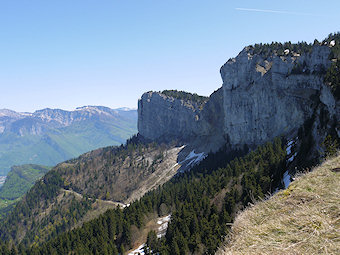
[
  {"x": 49, "y": 136},
  {"x": 269, "y": 95},
  {"x": 11, "y": 121}
]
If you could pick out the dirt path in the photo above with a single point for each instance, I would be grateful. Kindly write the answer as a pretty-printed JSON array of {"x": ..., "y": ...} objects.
[{"x": 97, "y": 200}]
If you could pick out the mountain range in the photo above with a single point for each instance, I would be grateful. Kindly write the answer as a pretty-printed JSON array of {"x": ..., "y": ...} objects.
[
  {"x": 49, "y": 136},
  {"x": 196, "y": 162}
]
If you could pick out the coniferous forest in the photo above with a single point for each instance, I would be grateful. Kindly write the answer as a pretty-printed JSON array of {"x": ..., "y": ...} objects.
[{"x": 202, "y": 202}]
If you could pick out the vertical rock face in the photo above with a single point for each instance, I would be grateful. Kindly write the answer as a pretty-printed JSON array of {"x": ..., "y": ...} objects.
[
  {"x": 164, "y": 117},
  {"x": 262, "y": 97},
  {"x": 268, "y": 97}
]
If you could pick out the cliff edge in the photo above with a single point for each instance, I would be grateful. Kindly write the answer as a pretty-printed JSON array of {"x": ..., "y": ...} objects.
[{"x": 268, "y": 91}]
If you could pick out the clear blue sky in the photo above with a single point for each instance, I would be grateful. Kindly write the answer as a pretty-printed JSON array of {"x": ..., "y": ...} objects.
[{"x": 69, "y": 53}]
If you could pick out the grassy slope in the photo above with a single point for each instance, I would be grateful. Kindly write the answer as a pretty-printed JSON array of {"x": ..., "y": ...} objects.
[{"x": 303, "y": 219}]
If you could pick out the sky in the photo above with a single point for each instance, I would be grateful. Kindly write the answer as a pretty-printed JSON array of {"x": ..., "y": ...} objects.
[{"x": 70, "y": 53}]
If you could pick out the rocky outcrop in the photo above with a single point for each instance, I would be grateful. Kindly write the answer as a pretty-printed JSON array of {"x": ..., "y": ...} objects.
[
  {"x": 164, "y": 117},
  {"x": 264, "y": 98},
  {"x": 261, "y": 97}
]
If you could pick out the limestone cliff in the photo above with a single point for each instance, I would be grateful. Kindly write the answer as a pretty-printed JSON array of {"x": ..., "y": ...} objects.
[
  {"x": 262, "y": 96},
  {"x": 165, "y": 117}
]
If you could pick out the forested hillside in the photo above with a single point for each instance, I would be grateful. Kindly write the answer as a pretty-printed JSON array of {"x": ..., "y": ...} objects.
[
  {"x": 19, "y": 180},
  {"x": 201, "y": 203},
  {"x": 78, "y": 190},
  {"x": 103, "y": 201}
]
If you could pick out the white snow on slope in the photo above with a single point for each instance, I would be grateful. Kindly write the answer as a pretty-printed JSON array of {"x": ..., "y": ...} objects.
[
  {"x": 139, "y": 250},
  {"x": 290, "y": 144},
  {"x": 163, "y": 222},
  {"x": 194, "y": 158},
  {"x": 161, "y": 231},
  {"x": 2, "y": 180},
  {"x": 292, "y": 157},
  {"x": 174, "y": 165},
  {"x": 289, "y": 147},
  {"x": 286, "y": 179}
]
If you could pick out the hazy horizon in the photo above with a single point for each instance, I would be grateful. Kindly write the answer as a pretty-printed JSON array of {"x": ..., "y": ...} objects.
[{"x": 118, "y": 108}]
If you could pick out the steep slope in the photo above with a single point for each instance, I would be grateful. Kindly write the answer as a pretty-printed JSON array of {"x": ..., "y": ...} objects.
[
  {"x": 2, "y": 180},
  {"x": 303, "y": 219},
  {"x": 268, "y": 91},
  {"x": 19, "y": 180},
  {"x": 50, "y": 136},
  {"x": 80, "y": 189},
  {"x": 200, "y": 203},
  {"x": 169, "y": 114}
]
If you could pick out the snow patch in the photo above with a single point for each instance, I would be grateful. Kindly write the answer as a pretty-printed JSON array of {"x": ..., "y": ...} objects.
[
  {"x": 289, "y": 147},
  {"x": 125, "y": 205},
  {"x": 292, "y": 157},
  {"x": 126, "y": 109},
  {"x": 163, "y": 222},
  {"x": 194, "y": 158},
  {"x": 139, "y": 250},
  {"x": 174, "y": 165},
  {"x": 286, "y": 51},
  {"x": 2, "y": 180},
  {"x": 286, "y": 179},
  {"x": 332, "y": 43},
  {"x": 161, "y": 231}
]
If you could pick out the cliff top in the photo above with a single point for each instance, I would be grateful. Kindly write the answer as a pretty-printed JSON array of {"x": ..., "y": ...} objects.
[
  {"x": 292, "y": 49},
  {"x": 186, "y": 96},
  {"x": 303, "y": 219}
]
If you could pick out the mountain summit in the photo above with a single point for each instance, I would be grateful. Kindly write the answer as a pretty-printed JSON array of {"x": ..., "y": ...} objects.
[{"x": 277, "y": 112}]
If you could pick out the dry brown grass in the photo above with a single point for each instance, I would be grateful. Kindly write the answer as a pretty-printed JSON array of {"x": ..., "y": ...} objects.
[{"x": 303, "y": 219}]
